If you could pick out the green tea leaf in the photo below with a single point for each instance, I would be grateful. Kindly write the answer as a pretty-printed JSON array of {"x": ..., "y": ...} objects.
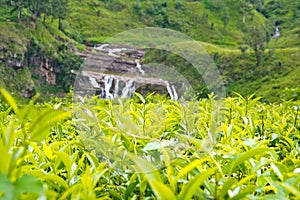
[
  {"x": 40, "y": 129},
  {"x": 28, "y": 183},
  {"x": 243, "y": 157},
  {"x": 291, "y": 189},
  {"x": 65, "y": 158},
  {"x": 140, "y": 97},
  {"x": 6, "y": 188},
  {"x": 184, "y": 171},
  {"x": 48, "y": 152},
  {"x": 56, "y": 180},
  {"x": 193, "y": 185},
  {"x": 161, "y": 190},
  {"x": 10, "y": 100}
]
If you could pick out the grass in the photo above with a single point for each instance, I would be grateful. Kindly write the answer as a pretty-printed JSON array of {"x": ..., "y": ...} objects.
[
  {"x": 18, "y": 82},
  {"x": 278, "y": 70}
]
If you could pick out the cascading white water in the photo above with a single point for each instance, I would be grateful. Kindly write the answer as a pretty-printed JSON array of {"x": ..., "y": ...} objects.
[
  {"x": 172, "y": 91},
  {"x": 128, "y": 89},
  {"x": 112, "y": 51},
  {"x": 105, "y": 89},
  {"x": 113, "y": 87},
  {"x": 107, "y": 85},
  {"x": 175, "y": 95},
  {"x": 101, "y": 47},
  {"x": 169, "y": 89},
  {"x": 139, "y": 66},
  {"x": 116, "y": 88},
  {"x": 94, "y": 82},
  {"x": 102, "y": 93},
  {"x": 132, "y": 88}
]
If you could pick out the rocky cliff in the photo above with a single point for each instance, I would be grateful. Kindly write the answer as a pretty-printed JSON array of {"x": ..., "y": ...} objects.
[{"x": 112, "y": 71}]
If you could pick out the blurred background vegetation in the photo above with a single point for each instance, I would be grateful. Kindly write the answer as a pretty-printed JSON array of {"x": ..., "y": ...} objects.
[{"x": 39, "y": 40}]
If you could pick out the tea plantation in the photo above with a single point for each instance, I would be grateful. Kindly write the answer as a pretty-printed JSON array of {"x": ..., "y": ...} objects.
[{"x": 149, "y": 148}]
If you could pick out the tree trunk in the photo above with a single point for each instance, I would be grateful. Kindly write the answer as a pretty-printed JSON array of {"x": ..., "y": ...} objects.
[
  {"x": 244, "y": 17},
  {"x": 35, "y": 17},
  {"x": 34, "y": 22},
  {"x": 59, "y": 23},
  {"x": 44, "y": 19},
  {"x": 19, "y": 16},
  {"x": 258, "y": 57}
]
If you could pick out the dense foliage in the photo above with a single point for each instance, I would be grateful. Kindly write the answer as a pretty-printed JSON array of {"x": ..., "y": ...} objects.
[
  {"x": 99, "y": 150},
  {"x": 32, "y": 10}
]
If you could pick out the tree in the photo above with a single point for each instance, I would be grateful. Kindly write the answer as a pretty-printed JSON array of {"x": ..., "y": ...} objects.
[
  {"x": 245, "y": 7},
  {"x": 59, "y": 10},
  {"x": 37, "y": 8},
  {"x": 17, "y": 6},
  {"x": 256, "y": 41},
  {"x": 225, "y": 17},
  {"x": 64, "y": 63}
]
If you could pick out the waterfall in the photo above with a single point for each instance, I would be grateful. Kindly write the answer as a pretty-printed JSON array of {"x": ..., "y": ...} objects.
[
  {"x": 112, "y": 88},
  {"x": 169, "y": 89},
  {"x": 115, "y": 85},
  {"x": 101, "y": 47},
  {"x": 139, "y": 66},
  {"x": 94, "y": 82},
  {"x": 107, "y": 85},
  {"x": 102, "y": 93},
  {"x": 175, "y": 95},
  {"x": 116, "y": 88},
  {"x": 172, "y": 91},
  {"x": 112, "y": 51},
  {"x": 128, "y": 89}
]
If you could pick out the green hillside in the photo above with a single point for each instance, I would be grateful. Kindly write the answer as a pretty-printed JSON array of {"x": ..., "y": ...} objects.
[
  {"x": 201, "y": 20},
  {"x": 237, "y": 35}
]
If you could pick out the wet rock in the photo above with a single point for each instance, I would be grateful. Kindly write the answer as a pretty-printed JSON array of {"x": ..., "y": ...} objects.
[{"x": 116, "y": 71}]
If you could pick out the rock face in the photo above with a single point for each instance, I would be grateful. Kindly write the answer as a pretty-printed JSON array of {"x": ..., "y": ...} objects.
[
  {"x": 47, "y": 72},
  {"x": 112, "y": 71},
  {"x": 12, "y": 58},
  {"x": 15, "y": 73}
]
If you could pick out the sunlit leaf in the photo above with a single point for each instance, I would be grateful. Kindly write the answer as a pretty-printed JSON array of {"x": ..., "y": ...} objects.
[
  {"x": 243, "y": 157},
  {"x": 193, "y": 185},
  {"x": 10, "y": 100},
  {"x": 161, "y": 190},
  {"x": 291, "y": 189}
]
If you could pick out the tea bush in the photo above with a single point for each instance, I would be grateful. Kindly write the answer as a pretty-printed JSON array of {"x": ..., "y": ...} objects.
[{"x": 149, "y": 148}]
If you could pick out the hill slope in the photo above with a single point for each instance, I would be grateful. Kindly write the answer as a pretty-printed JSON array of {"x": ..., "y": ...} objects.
[
  {"x": 227, "y": 30},
  {"x": 218, "y": 22}
]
